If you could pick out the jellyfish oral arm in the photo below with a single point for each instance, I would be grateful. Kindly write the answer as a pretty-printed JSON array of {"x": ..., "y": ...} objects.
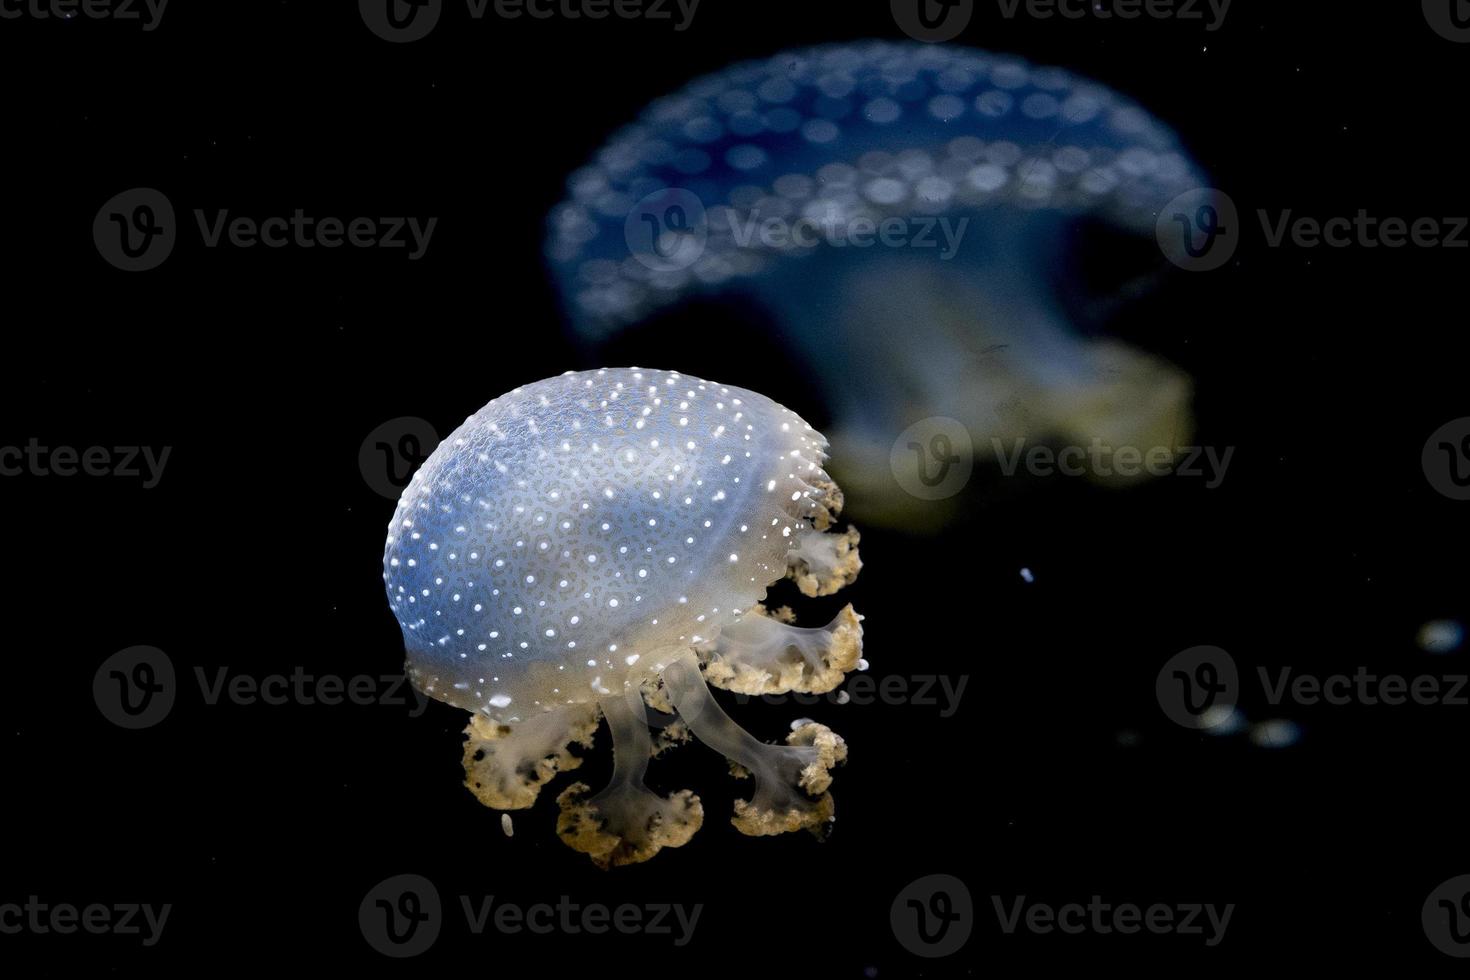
[
  {"x": 506, "y": 766},
  {"x": 627, "y": 720},
  {"x": 791, "y": 781},
  {"x": 822, "y": 564},
  {"x": 627, "y": 822},
  {"x": 980, "y": 339},
  {"x": 762, "y": 654}
]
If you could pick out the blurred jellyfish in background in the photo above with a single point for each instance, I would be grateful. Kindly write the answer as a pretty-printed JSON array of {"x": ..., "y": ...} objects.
[
  {"x": 1441, "y": 636},
  {"x": 909, "y": 215},
  {"x": 1222, "y": 719},
  {"x": 1229, "y": 720},
  {"x": 1278, "y": 733}
]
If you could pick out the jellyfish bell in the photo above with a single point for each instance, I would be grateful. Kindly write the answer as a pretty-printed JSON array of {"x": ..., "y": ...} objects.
[
  {"x": 906, "y": 214},
  {"x": 594, "y": 544}
]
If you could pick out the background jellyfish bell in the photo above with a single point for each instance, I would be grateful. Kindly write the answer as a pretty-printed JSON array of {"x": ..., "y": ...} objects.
[{"x": 907, "y": 215}]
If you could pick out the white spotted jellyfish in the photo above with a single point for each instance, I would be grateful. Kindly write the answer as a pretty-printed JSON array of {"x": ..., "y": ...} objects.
[
  {"x": 907, "y": 214},
  {"x": 589, "y": 545}
]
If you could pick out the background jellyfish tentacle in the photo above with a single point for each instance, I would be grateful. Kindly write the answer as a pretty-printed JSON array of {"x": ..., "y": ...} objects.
[
  {"x": 597, "y": 544},
  {"x": 990, "y": 162}
]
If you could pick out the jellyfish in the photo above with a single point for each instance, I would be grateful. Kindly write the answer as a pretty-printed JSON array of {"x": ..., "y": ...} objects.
[
  {"x": 908, "y": 217},
  {"x": 597, "y": 544},
  {"x": 1441, "y": 636},
  {"x": 1277, "y": 733}
]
